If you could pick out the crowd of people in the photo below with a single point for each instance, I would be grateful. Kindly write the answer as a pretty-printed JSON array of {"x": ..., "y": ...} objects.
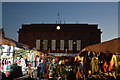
[
  {"x": 91, "y": 66},
  {"x": 57, "y": 69}
]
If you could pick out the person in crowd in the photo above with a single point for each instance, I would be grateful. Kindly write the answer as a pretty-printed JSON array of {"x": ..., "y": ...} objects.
[
  {"x": 38, "y": 72},
  {"x": 61, "y": 70},
  {"x": 53, "y": 70},
  {"x": 107, "y": 66},
  {"x": 2, "y": 76},
  {"x": 78, "y": 74},
  {"x": 9, "y": 65},
  {"x": 86, "y": 64},
  {"x": 101, "y": 58},
  {"x": 79, "y": 71},
  {"x": 42, "y": 65},
  {"x": 77, "y": 62},
  {"x": 57, "y": 60},
  {"x": 47, "y": 69},
  {"x": 22, "y": 62},
  {"x": 94, "y": 64},
  {"x": 70, "y": 69},
  {"x": 15, "y": 71},
  {"x": 5, "y": 69},
  {"x": 81, "y": 65},
  {"x": 8, "y": 68},
  {"x": 29, "y": 71},
  {"x": 26, "y": 61},
  {"x": 37, "y": 60}
]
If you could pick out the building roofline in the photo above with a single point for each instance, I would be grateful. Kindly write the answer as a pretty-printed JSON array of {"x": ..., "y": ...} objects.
[{"x": 67, "y": 23}]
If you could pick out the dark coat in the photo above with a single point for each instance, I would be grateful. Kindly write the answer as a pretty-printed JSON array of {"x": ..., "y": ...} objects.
[
  {"x": 3, "y": 76},
  {"x": 15, "y": 72},
  {"x": 70, "y": 70}
]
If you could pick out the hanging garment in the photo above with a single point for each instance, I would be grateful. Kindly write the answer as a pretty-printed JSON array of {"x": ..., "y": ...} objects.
[{"x": 94, "y": 64}]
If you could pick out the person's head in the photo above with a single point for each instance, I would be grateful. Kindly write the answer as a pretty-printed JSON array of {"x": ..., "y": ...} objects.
[
  {"x": 54, "y": 60},
  {"x": 63, "y": 62},
  {"x": 60, "y": 62},
  {"x": 42, "y": 60},
  {"x": 66, "y": 60},
  {"x": 37, "y": 56},
  {"x": 21, "y": 56},
  {"x": 77, "y": 59},
  {"x": 57, "y": 59}
]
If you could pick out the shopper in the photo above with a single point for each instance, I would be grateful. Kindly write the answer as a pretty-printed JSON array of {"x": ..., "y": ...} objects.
[
  {"x": 70, "y": 69},
  {"x": 53, "y": 70},
  {"x": 15, "y": 71},
  {"x": 42, "y": 66}
]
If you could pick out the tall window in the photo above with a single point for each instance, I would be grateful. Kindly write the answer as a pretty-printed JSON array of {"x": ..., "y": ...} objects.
[
  {"x": 70, "y": 44},
  {"x": 45, "y": 45},
  {"x": 61, "y": 44},
  {"x": 53, "y": 45},
  {"x": 78, "y": 44},
  {"x": 38, "y": 44}
]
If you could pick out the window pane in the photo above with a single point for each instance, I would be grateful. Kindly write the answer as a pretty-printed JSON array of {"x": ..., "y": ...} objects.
[
  {"x": 70, "y": 44},
  {"x": 38, "y": 44},
  {"x": 53, "y": 45},
  {"x": 45, "y": 46},
  {"x": 61, "y": 44},
  {"x": 78, "y": 44}
]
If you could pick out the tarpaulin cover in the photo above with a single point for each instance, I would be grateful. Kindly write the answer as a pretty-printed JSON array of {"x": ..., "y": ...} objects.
[{"x": 113, "y": 46}]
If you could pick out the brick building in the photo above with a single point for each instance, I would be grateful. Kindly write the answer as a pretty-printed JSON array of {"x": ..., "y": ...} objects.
[{"x": 59, "y": 38}]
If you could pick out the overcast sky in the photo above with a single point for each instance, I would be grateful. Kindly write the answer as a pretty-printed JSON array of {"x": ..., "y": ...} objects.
[{"x": 105, "y": 14}]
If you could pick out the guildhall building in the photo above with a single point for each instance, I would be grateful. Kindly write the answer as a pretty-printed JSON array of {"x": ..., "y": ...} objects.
[{"x": 59, "y": 38}]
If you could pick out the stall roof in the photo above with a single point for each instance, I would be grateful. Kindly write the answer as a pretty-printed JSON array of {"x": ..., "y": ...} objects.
[
  {"x": 5, "y": 41},
  {"x": 113, "y": 46},
  {"x": 10, "y": 42}
]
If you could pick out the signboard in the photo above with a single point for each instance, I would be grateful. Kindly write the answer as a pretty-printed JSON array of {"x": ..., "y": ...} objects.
[{"x": 63, "y": 54}]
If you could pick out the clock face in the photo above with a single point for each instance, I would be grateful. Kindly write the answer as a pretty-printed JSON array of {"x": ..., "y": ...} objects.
[{"x": 58, "y": 27}]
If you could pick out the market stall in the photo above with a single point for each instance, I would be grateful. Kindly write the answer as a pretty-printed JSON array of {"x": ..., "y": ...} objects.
[
  {"x": 12, "y": 52},
  {"x": 105, "y": 53},
  {"x": 9, "y": 49},
  {"x": 9, "y": 46}
]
